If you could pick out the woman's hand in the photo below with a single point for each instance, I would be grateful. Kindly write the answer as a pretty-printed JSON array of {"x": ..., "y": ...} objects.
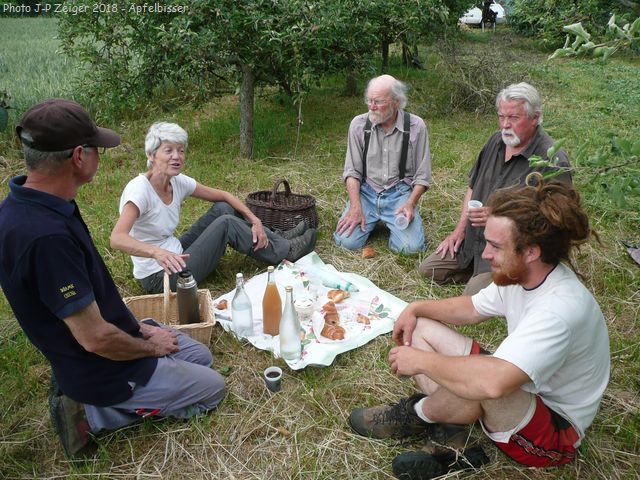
[
  {"x": 169, "y": 261},
  {"x": 260, "y": 239}
]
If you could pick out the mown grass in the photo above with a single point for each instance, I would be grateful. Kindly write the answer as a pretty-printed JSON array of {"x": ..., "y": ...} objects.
[{"x": 302, "y": 431}]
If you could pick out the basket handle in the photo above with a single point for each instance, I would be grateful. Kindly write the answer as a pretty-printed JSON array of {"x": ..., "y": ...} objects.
[
  {"x": 276, "y": 185},
  {"x": 165, "y": 297}
]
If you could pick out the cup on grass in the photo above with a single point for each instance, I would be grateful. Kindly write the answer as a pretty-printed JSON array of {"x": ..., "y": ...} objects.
[{"x": 273, "y": 378}]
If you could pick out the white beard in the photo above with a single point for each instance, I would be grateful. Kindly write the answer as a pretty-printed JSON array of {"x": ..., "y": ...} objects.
[
  {"x": 377, "y": 119},
  {"x": 510, "y": 138}
]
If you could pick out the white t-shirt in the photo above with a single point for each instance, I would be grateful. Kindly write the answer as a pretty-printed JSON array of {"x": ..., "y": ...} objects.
[
  {"x": 157, "y": 221},
  {"x": 558, "y": 337}
]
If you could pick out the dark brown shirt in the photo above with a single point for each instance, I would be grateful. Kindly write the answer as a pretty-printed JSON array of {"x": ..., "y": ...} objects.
[{"x": 491, "y": 173}]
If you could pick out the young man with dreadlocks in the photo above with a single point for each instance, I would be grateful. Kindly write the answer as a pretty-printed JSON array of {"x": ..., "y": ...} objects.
[{"x": 539, "y": 391}]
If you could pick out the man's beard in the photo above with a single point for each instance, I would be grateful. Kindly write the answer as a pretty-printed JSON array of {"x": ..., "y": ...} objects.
[
  {"x": 376, "y": 119},
  {"x": 511, "y": 273},
  {"x": 510, "y": 138}
]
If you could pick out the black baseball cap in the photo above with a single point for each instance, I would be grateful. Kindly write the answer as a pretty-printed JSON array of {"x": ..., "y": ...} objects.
[{"x": 58, "y": 124}]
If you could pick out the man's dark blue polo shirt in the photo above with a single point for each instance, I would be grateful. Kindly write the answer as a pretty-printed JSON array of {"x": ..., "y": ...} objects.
[{"x": 49, "y": 270}]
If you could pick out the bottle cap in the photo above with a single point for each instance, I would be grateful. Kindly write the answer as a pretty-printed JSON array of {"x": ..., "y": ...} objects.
[
  {"x": 288, "y": 288},
  {"x": 185, "y": 273},
  {"x": 239, "y": 275},
  {"x": 270, "y": 268}
]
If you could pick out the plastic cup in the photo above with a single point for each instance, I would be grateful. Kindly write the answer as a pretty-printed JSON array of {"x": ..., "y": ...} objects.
[
  {"x": 273, "y": 378},
  {"x": 401, "y": 222},
  {"x": 474, "y": 204}
]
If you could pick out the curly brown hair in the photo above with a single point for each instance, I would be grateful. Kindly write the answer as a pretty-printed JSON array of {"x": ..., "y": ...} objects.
[{"x": 548, "y": 214}]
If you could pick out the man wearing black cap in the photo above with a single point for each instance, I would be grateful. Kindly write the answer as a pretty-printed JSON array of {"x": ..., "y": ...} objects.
[{"x": 112, "y": 369}]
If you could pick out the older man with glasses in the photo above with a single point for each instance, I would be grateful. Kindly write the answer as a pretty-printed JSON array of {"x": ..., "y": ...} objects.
[
  {"x": 387, "y": 169},
  {"x": 502, "y": 163}
]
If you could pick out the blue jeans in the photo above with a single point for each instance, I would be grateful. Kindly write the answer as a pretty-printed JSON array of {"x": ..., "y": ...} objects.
[{"x": 381, "y": 207}]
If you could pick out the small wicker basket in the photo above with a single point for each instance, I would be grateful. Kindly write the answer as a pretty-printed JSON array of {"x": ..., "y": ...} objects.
[
  {"x": 163, "y": 308},
  {"x": 283, "y": 210}
]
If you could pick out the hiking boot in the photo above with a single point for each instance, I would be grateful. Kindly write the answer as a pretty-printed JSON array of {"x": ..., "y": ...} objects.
[
  {"x": 302, "y": 245},
  {"x": 70, "y": 423},
  {"x": 296, "y": 231},
  {"x": 421, "y": 465},
  {"x": 396, "y": 420}
]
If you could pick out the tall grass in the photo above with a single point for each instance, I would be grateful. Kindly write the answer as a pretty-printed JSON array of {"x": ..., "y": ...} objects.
[
  {"x": 31, "y": 68},
  {"x": 301, "y": 432}
]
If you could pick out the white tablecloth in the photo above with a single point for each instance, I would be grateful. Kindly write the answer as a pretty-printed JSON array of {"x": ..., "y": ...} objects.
[{"x": 311, "y": 277}]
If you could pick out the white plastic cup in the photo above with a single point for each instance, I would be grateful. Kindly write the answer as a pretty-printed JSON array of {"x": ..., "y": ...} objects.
[
  {"x": 401, "y": 222},
  {"x": 474, "y": 204},
  {"x": 273, "y": 378}
]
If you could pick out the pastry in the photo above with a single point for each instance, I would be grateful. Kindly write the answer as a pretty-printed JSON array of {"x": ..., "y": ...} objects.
[
  {"x": 336, "y": 296},
  {"x": 369, "y": 252},
  {"x": 363, "y": 319},
  {"x": 221, "y": 305},
  {"x": 330, "y": 314},
  {"x": 332, "y": 332}
]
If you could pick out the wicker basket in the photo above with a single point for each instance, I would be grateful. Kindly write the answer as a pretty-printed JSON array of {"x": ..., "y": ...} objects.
[
  {"x": 283, "y": 210},
  {"x": 163, "y": 308}
]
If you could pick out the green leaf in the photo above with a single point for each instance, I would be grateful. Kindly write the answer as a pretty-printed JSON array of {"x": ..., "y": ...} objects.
[
  {"x": 562, "y": 52},
  {"x": 578, "y": 30},
  {"x": 553, "y": 149}
]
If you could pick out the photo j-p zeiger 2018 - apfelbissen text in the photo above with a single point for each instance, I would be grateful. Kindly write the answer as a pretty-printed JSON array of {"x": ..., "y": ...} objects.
[{"x": 71, "y": 8}]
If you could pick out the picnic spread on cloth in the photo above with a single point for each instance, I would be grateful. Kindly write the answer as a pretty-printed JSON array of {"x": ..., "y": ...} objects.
[{"x": 311, "y": 278}]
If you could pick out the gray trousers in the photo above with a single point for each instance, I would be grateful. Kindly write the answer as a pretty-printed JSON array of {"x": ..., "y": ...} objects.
[
  {"x": 183, "y": 385},
  {"x": 207, "y": 240}
]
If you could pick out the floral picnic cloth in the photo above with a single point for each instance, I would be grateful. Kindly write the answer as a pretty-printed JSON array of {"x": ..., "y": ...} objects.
[{"x": 311, "y": 278}]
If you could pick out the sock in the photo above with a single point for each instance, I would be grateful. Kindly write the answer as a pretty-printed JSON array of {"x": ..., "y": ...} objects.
[{"x": 418, "y": 408}]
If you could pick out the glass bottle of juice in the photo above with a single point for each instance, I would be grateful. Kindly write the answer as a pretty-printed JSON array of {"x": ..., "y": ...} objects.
[{"x": 271, "y": 306}]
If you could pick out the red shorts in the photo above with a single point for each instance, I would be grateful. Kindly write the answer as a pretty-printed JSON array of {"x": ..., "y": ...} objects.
[{"x": 546, "y": 441}]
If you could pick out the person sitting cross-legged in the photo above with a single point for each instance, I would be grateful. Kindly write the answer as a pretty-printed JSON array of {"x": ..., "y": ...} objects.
[{"x": 537, "y": 394}]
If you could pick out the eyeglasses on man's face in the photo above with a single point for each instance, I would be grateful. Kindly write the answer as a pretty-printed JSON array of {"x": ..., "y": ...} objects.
[{"x": 378, "y": 102}]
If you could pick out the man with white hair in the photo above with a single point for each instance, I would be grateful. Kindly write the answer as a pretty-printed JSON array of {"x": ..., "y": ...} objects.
[
  {"x": 387, "y": 169},
  {"x": 502, "y": 163}
]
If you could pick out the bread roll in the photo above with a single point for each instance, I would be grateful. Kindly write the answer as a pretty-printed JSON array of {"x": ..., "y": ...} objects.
[
  {"x": 330, "y": 313},
  {"x": 332, "y": 332},
  {"x": 336, "y": 296}
]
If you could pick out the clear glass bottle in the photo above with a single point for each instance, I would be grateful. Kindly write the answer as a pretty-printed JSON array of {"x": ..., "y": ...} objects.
[
  {"x": 241, "y": 311},
  {"x": 290, "y": 344},
  {"x": 187, "y": 295},
  {"x": 271, "y": 306}
]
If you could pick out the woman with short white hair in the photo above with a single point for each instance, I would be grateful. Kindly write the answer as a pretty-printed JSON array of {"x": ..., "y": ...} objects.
[{"x": 150, "y": 212}]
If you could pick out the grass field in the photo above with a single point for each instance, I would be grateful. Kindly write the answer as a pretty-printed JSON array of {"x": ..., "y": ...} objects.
[{"x": 302, "y": 433}]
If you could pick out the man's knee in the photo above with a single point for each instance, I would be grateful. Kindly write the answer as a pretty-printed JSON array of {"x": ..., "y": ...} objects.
[
  {"x": 408, "y": 246},
  {"x": 442, "y": 270},
  {"x": 350, "y": 243},
  {"x": 215, "y": 391}
]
